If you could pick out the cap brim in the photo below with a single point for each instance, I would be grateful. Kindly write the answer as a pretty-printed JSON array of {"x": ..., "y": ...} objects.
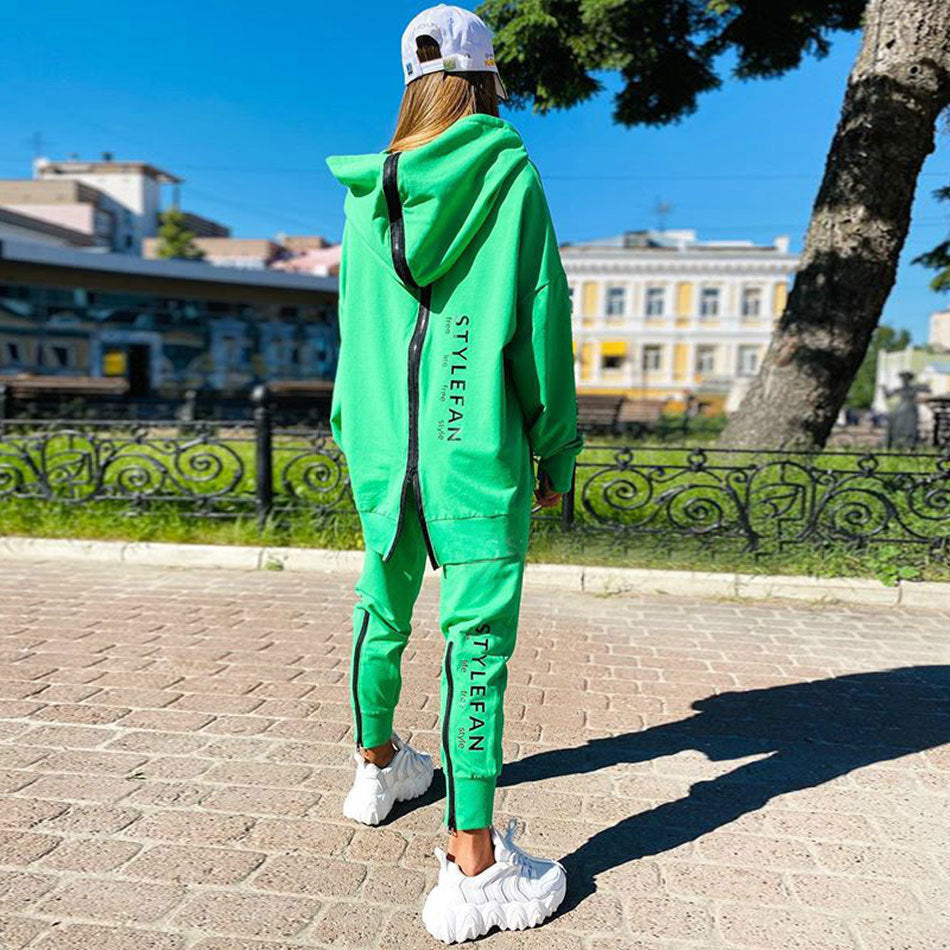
[{"x": 500, "y": 87}]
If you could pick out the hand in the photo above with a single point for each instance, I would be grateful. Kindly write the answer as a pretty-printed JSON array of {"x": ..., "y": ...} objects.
[{"x": 545, "y": 496}]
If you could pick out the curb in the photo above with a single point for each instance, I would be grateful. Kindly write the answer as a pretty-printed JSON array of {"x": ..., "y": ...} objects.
[{"x": 570, "y": 577}]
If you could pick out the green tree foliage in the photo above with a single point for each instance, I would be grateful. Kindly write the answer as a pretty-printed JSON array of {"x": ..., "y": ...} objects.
[
  {"x": 668, "y": 52},
  {"x": 175, "y": 241},
  {"x": 885, "y": 339},
  {"x": 939, "y": 258}
]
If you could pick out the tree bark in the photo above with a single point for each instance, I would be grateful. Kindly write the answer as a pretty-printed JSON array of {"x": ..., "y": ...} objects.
[{"x": 897, "y": 89}]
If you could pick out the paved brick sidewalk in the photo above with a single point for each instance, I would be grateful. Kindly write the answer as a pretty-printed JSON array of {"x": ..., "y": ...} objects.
[{"x": 173, "y": 759}]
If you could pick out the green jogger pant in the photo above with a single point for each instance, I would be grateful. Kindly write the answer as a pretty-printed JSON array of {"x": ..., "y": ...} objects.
[{"x": 478, "y": 615}]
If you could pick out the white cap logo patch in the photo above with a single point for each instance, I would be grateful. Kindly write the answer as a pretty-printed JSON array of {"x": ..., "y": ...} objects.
[{"x": 464, "y": 41}]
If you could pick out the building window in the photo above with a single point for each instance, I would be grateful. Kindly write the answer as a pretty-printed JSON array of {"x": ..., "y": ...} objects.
[
  {"x": 705, "y": 359},
  {"x": 616, "y": 301},
  {"x": 611, "y": 362},
  {"x": 57, "y": 356},
  {"x": 655, "y": 302},
  {"x": 751, "y": 301},
  {"x": 748, "y": 360},
  {"x": 652, "y": 358},
  {"x": 12, "y": 355},
  {"x": 709, "y": 302}
]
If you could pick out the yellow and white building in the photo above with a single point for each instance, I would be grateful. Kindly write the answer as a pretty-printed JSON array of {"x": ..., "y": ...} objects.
[{"x": 661, "y": 315}]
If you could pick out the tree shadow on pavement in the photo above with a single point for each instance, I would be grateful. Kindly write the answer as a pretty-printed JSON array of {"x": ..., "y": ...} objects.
[{"x": 815, "y": 732}]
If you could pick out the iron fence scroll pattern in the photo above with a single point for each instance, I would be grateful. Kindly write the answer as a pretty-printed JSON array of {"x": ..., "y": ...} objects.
[
  {"x": 768, "y": 500},
  {"x": 758, "y": 501},
  {"x": 135, "y": 463}
]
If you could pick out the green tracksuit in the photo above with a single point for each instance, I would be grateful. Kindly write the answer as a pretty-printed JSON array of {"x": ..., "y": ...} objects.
[{"x": 455, "y": 369}]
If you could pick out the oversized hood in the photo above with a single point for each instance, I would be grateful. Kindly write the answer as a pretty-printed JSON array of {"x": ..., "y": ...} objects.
[{"x": 447, "y": 187}]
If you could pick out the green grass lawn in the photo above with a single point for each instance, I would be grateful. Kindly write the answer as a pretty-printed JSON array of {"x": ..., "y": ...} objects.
[
  {"x": 691, "y": 508},
  {"x": 549, "y": 542}
]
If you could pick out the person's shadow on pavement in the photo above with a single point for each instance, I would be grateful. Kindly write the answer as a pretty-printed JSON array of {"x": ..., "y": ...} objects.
[{"x": 815, "y": 732}]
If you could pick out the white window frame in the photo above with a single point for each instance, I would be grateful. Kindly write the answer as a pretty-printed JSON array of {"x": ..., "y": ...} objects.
[
  {"x": 741, "y": 369},
  {"x": 710, "y": 289},
  {"x": 613, "y": 292},
  {"x": 705, "y": 350},
  {"x": 653, "y": 294},
  {"x": 755, "y": 293},
  {"x": 649, "y": 350}
]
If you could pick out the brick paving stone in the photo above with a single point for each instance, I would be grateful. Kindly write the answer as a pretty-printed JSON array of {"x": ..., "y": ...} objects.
[
  {"x": 190, "y": 826},
  {"x": 89, "y": 819},
  {"x": 17, "y": 932},
  {"x": 89, "y": 937},
  {"x": 347, "y": 925},
  {"x": 23, "y": 847},
  {"x": 124, "y": 901},
  {"x": 90, "y": 855},
  {"x": 309, "y": 874},
  {"x": 250, "y": 915},
  {"x": 233, "y": 943},
  {"x": 174, "y": 751},
  {"x": 192, "y": 864},
  {"x": 255, "y": 800},
  {"x": 794, "y": 929},
  {"x": 19, "y": 890}
]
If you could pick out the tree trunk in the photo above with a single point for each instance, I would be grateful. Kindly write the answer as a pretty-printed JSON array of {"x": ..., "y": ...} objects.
[{"x": 899, "y": 85}]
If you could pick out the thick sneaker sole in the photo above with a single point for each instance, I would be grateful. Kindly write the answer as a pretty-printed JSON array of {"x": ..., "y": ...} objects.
[
  {"x": 375, "y": 812},
  {"x": 462, "y": 922}
]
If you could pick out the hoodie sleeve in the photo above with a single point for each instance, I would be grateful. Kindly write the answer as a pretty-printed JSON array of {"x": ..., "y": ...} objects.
[
  {"x": 540, "y": 354},
  {"x": 336, "y": 402}
]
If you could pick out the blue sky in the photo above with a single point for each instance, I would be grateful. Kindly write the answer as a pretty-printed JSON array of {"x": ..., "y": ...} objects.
[{"x": 245, "y": 101}]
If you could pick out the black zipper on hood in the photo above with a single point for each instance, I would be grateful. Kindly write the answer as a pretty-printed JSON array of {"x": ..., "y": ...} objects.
[{"x": 397, "y": 241}]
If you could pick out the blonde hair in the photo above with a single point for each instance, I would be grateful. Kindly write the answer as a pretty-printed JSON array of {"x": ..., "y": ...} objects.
[{"x": 436, "y": 100}]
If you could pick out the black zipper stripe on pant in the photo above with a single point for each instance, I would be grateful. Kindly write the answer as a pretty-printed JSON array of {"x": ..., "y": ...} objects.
[
  {"x": 355, "y": 679},
  {"x": 447, "y": 738},
  {"x": 397, "y": 241}
]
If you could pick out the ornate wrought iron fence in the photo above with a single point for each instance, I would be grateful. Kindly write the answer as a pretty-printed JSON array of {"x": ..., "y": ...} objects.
[{"x": 758, "y": 501}]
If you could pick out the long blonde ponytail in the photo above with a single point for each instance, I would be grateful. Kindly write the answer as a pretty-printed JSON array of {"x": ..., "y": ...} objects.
[{"x": 435, "y": 101}]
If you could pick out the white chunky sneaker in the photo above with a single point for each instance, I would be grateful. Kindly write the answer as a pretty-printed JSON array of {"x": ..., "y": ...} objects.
[
  {"x": 376, "y": 790},
  {"x": 516, "y": 892}
]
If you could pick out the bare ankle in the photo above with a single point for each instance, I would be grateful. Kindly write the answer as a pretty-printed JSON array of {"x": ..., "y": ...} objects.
[
  {"x": 380, "y": 755},
  {"x": 472, "y": 851}
]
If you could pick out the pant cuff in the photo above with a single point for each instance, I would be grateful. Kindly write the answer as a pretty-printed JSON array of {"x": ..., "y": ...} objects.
[
  {"x": 474, "y": 802},
  {"x": 377, "y": 727}
]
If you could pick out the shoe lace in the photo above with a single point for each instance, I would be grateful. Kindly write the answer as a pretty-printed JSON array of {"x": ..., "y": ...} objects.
[{"x": 517, "y": 857}]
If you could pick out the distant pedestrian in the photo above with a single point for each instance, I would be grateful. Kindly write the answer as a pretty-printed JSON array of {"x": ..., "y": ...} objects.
[{"x": 455, "y": 369}]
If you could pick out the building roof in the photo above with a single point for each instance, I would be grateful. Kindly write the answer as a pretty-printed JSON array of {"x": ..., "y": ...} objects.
[
  {"x": 19, "y": 220},
  {"x": 128, "y": 268},
  {"x": 322, "y": 260},
  {"x": 302, "y": 242},
  {"x": 20, "y": 191},
  {"x": 201, "y": 226},
  {"x": 45, "y": 166},
  {"x": 260, "y": 249},
  {"x": 238, "y": 247},
  {"x": 681, "y": 241}
]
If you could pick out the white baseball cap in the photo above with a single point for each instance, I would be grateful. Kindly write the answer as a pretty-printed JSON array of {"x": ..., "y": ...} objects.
[{"x": 464, "y": 41}]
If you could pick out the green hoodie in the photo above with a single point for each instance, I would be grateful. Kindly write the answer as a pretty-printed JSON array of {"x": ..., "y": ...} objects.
[{"x": 455, "y": 360}]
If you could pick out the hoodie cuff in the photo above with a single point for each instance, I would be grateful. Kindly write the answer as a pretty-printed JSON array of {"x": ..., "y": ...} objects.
[{"x": 559, "y": 469}]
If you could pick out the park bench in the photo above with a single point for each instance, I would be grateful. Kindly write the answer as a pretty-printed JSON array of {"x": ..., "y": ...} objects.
[
  {"x": 597, "y": 412},
  {"x": 57, "y": 395},
  {"x": 639, "y": 417}
]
